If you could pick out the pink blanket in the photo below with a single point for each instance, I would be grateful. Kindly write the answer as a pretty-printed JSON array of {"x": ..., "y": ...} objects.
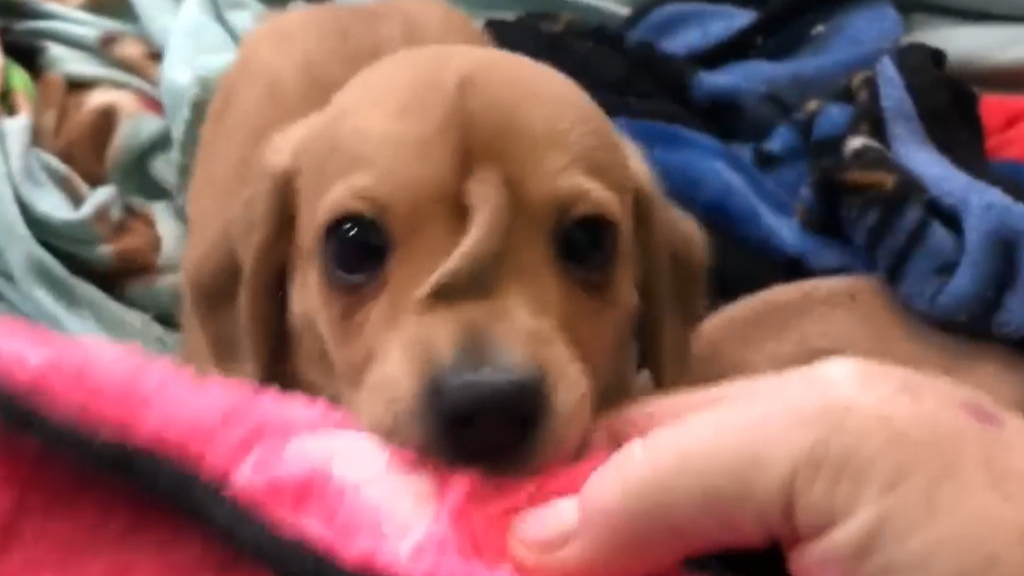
[{"x": 113, "y": 462}]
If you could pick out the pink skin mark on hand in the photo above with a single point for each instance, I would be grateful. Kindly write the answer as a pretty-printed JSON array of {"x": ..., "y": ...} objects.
[{"x": 981, "y": 414}]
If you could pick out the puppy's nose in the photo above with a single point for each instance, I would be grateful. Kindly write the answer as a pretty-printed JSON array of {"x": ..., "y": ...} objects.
[{"x": 487, "y": 417}]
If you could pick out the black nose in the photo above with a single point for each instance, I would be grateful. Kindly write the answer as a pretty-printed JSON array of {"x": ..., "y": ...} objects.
[{"x": 487, "y": 417}]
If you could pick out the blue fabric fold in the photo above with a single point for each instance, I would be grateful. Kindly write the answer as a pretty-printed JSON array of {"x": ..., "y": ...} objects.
[
  {"x": 809, "y": 59},
  {"x": 959, "y": 251},
  {"x": 723, "y": 183},
  {"x": 967, "y": 270},
  {"x": 722, "y": 186}
]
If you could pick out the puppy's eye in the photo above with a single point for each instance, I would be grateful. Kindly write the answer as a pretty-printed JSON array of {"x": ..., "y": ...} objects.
[
  {"x": 586, "y": 246},
  {"x": 356, "y": 248}
]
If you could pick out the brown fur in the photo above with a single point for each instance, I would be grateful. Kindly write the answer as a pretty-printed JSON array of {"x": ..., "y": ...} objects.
[
  {"x": 798, "y": 322},
  {"x": 471, "y": 156}
]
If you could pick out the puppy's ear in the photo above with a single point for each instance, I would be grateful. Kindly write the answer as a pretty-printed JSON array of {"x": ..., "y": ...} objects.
[
  {"x": 235, "y": 299},
  {"x": 672, "y": 260}
]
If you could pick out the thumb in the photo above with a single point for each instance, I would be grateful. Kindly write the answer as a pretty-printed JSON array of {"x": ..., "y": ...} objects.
[{"x": 704, "y": 484}]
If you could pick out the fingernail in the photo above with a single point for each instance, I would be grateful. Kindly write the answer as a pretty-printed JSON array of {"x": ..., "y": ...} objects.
[{"x": 549, "y": 526}]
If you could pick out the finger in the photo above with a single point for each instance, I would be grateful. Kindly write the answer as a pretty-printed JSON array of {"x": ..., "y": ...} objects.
[
  {"x": 618, "y": 427},
  {"x": 701, "y": 485},
  {"x": 639, "y": 418}
]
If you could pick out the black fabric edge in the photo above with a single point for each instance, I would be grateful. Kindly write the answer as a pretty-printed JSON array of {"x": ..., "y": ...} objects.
[
  {"x": 976, "y": 16},
  {"x": 770, "y": 17},
  {"x": 199, "y": 499},
  {"x": 641, "y": 11}
]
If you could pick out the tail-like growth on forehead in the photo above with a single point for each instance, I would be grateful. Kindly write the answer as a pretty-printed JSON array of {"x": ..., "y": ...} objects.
[{"x": 472, "y": 267}]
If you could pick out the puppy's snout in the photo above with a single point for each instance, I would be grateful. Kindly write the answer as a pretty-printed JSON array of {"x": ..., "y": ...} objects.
[{"x": 487, "y": 416}]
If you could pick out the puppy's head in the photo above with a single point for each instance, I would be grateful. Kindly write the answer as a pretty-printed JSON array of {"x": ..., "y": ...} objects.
[{"x": 460, "y": 249}]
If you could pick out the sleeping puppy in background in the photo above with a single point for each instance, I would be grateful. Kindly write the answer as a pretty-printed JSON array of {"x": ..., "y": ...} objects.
[
  {"x": 450, "y": 240},
  {"x": 799, "y": 322}
]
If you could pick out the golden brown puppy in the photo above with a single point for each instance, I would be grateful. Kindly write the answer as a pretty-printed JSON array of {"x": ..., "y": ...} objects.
[
  {"x": 457, "y": 245},
  {"x": 799, "y": 322}
]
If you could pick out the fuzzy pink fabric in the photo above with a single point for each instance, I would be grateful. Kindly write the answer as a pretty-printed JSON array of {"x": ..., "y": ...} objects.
[{"x": 293, "y": 461}]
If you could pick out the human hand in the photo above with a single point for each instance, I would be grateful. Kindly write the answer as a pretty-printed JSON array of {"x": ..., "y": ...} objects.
[{"x": 856, "y": 468}]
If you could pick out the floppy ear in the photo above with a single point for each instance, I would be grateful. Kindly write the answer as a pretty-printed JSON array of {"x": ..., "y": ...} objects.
[
  {"x": 235, "y": 276},
  {"x": 672, "y": 262}
]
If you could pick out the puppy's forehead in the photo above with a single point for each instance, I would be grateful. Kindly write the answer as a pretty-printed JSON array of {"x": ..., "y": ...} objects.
[{"x": 449, "y": 108}]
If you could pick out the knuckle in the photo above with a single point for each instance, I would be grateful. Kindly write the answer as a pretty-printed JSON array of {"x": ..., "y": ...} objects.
[
  {"x": 845, "y": 367},
  {"x": 860, "y": 388},
  {"x": 844, "y": 376}
]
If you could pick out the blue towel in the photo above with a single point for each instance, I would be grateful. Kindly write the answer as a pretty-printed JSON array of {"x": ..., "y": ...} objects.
[
  {"x": 722, "y": 186},
  {"x": 950, "y": 242},
  {"x": 953, "y": 244},
  {"x": 752, "y": 188},
  {"x": 808, "y": 58}
]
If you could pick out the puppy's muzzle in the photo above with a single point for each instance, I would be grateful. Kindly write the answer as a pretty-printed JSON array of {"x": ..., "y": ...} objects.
[{"x": 487, "y": 416}]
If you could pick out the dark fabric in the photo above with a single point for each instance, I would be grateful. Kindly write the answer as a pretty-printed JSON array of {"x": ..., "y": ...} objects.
[
  {"x": 949, "y": 111},
  {"x": 917, "y": 194},
  {"x": 26, "y": 53},
  {"x": 637, "y": 81}
]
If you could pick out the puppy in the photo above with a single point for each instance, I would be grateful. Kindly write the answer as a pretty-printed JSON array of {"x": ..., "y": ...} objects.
[
  {"x": 799, "y": 322},
  {"x": 450, "y": 240}
]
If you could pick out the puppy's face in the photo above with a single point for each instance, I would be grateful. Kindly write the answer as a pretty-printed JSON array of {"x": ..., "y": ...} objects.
[{"x": 464, "y": 273}]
